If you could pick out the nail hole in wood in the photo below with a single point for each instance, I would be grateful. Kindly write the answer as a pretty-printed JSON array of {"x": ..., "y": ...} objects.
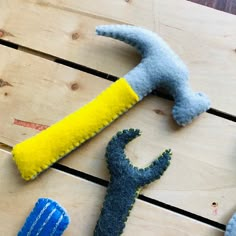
[
  {"x": 214, "y": 204},
  {"x": 74, "y": 86},
  {"x": 75, "y": 36}
]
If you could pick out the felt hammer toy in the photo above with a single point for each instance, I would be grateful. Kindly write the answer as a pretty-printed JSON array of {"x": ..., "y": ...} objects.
[{"x": 159, "y": 67}]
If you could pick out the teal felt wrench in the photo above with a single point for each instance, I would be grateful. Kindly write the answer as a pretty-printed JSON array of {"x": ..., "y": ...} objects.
[{"x": 125, "y": 183}]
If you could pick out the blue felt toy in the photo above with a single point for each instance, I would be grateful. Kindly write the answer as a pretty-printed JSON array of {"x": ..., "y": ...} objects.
[
  {"x": 160, "y": 67},
  {"x": 125, "y": 183},
  {"x": 47, "y": 218},
  {"x": 231, "y": 227}
]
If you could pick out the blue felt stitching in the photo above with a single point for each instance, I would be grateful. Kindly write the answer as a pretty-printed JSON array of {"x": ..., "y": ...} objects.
[
  {"x": 45, "y": 222},
  {"x": 37, "y": 219},
  {"x": 47, "y": 218},
  {"x": 56, "y": 226}
]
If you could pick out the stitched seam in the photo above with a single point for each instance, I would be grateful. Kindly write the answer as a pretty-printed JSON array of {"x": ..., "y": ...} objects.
[
  {"x": 45, "y": 222},
  {"x": 38, "y": 217},
  {"x": 134, "y": 99},
  {"x": 56, "y": 226}
]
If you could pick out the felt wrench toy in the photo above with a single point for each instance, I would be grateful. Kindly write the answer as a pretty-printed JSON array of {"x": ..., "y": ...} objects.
[
  {"x": 159, "y": 67},
  {"x": 125, "y": 183}
]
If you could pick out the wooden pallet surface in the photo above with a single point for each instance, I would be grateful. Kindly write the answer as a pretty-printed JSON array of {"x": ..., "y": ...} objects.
[
  {"x": 37, "y": 90},
  {"x": 202, "y": 151}
]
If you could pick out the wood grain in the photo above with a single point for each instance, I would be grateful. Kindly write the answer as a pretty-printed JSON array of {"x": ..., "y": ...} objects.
[
  {"x": 123, "y": 11},
  {"x": 64, "y": 33},
  {"x": 65, "y": 29},
  {"x": 203, "y": 151},
  {"x": 82, "y": 200}
]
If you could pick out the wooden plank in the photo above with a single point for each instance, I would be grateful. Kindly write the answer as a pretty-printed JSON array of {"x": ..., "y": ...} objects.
[
  {"x": 70, "y": 35},
  {"x": 205, "y": 40},
  {"x": 83, "y": 201},
  {"x": 225, "y": 5},
  {"x": 203, "y": 151},
  {"x": 130, "y": 12}
]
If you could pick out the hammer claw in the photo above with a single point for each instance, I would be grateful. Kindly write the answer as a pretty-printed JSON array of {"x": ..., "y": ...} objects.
[{"x": 160, "y": 67}]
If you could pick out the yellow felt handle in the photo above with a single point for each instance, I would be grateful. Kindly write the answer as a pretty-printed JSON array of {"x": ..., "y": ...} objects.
[{"x": 36, "y": 154}]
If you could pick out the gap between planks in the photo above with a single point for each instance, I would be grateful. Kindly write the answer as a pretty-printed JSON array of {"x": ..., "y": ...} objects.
[
  {"x": 84, "y": 211},
  {"x": 101, "y": 182},
  {"x": 100, "y": 74}
]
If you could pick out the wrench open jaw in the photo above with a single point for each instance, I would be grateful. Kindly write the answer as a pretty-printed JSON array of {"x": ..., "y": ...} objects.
[{"x": 125, "y": 183}]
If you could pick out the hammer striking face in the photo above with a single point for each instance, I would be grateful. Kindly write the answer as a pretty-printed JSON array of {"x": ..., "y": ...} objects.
[{"x": 159, "y": 67}]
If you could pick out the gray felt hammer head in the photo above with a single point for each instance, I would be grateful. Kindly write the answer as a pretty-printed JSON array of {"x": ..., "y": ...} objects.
[{"x": 160, "y": 67}]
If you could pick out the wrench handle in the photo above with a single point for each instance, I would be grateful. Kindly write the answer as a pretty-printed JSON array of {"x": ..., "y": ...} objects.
[
  {"x": 39, "y": 152},
  {"x": 117, "y": 205}
]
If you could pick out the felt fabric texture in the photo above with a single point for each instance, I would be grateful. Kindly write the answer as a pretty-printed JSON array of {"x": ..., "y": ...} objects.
[
  {"x": 160, "y": 67},
  {"x": 125, "y": 183},
  {"x": 36, "y": 154},
  {"x": 47, "y": 218},
  {"x": 231, "y": 227}
]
